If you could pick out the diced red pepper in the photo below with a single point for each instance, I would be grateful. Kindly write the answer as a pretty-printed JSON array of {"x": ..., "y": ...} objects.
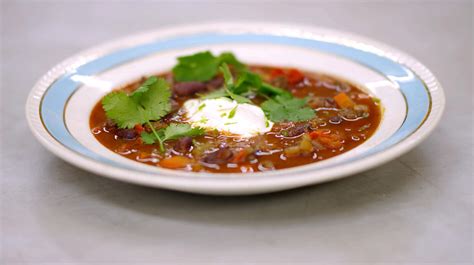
[
  {"x": 294, "y": 76},
  {"x": 276, "y": 73},
  {"x": 139, "y": 128}
]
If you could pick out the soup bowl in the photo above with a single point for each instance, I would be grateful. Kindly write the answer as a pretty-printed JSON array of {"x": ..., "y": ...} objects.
[{"x": 59, "y": 105}]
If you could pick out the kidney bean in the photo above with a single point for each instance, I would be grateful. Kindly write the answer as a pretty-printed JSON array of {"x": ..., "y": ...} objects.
[
  {"x": 335, "y": 120},
  {"x": 189, "y": 88},
  {"x": 218, "y": 157},
  {"x": 215, "y": 83},
  {"x": 183, "y": 145},
  {"x": 127, "y": 134}
]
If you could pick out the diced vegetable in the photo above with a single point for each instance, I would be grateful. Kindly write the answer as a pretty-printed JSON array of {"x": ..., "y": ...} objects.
[
  {"x": 266, "y": 165},
  {"x": 139, "y": 128},
  {"x": 292, "y": 151},
  {"x": 276, "y": 72},
  {"x": 361, "y": 110},
  {"x": 327, "y": 138},
  {"x": 241, "y": 155},
  {"x": 175, "y": 162},
  {"x": 306, "y": 145},
  {"x": 294, "y": 76},
  {"x": 344, "y": 101}
]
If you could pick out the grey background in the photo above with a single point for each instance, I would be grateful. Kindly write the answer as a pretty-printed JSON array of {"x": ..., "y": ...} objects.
[{"x": 417, "y": 208}]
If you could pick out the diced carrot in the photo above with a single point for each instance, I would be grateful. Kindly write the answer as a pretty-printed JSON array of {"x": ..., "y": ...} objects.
[
  {"x": 327, "y": 139},
  {"x": 294, "y": 76},
  {"x": 276, "y": 72},
  {"x": 331, "y": 141},
  {"x": 315, "y": 134},
  {"x": 143, "y": 155},
  {"x": 240, "y": 156},
  {"x": 344, "y": 101},
  {"x": 175, "y": 162},
  {"x": 139, "y": 128}
]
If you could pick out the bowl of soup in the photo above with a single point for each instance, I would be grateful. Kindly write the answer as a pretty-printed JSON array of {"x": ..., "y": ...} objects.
[{"x": 234, "y": 108}]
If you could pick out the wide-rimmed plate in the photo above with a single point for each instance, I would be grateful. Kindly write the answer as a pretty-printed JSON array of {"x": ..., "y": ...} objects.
[{"x": 59, "y": 105}]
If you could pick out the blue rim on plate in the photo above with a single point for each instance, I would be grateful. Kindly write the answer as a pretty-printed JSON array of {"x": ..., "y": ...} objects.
[{"x": 416, "y": 84}]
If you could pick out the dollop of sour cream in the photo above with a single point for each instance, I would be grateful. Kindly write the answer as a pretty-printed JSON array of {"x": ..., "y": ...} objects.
[{"x": 226, "y": 115}]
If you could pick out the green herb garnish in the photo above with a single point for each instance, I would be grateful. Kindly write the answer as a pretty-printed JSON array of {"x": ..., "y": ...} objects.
[
  {"x": 172, "y": 132},
  {"x": 151, "y": 101},
  {"x": 203, "y": 66},
  {"x": 232, "y": 112},
  {"x": 229, "y": 85},
  {"x": 285, "y": 108},
  {"x": 214, "y": 94}
]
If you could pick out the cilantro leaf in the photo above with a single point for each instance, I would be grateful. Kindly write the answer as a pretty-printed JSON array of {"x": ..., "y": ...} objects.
[
  {"x": 156, "y": 100},
  {"x": 203, "y": 66},
  {"x": 176, "y": 130},
  {"x": 136, "y": 95},
  {"x": 214, "y": 94},
  {"x": 247, "y": 81},
  {"x": 149, "y": 102},
  {"x": 286, "y": 108},
  {"x": 229, "y": 85},
  {"x": 229, "y": 58},
  {"x": 172, "y": 132},
  {"x": 122, "y": 109},
  {"x": 148, "y": 138},
  {"x": 267, "y": 89},
  {"x": 232, "y": 112}
]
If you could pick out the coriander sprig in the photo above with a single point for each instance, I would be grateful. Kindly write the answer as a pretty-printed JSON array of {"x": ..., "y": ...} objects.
[
  {"x": 150, "y": 102},
  {"x": 284, "y": 108},
  {"x": 280, "y": 104},
  {"x": 172, "y": 132},
  {"x": 203, "y": 66}
]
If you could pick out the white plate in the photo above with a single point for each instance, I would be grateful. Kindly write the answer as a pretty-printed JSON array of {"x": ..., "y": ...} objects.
[{"x": 59, "y": 106}]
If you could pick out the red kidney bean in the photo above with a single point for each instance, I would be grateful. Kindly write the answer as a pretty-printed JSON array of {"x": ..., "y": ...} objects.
[
  {"x": 215, "y": 83},
  {"x": 127, "y": 134},
  {"x": 183, "y": 145},
  {"x": 218, "y": 157},
  {"x": 189, "y": 88}
]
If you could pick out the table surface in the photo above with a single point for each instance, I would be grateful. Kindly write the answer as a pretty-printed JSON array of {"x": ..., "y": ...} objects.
[{"x": 417, "y": 208}]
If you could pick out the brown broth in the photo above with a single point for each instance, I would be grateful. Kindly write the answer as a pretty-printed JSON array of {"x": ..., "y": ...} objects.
[{"x": 352, "y": 132}]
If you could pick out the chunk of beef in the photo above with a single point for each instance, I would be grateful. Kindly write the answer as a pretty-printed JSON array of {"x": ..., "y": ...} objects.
[
  {"x": 296, "y": 130},
  {"x": 321, "y": 102}
]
